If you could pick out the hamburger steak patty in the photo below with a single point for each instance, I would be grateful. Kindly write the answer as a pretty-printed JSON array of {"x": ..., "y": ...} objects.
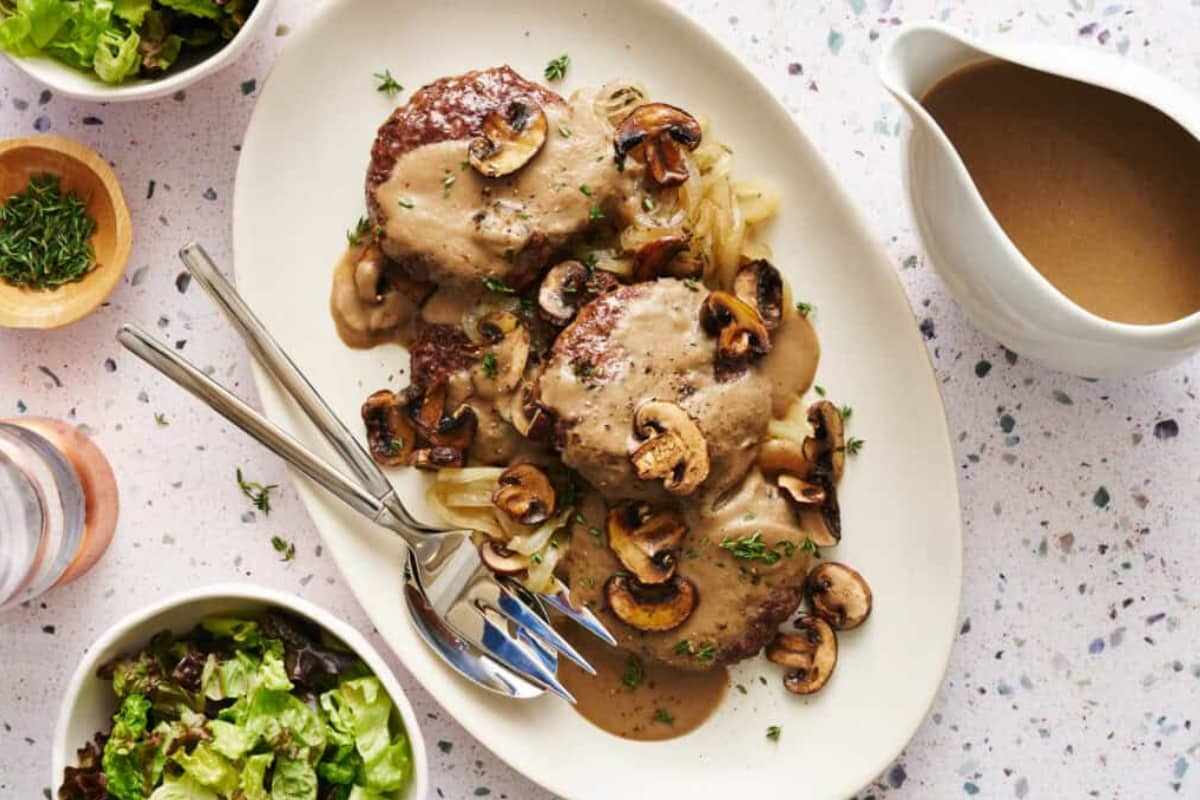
[{"x": 645, "y": 342}]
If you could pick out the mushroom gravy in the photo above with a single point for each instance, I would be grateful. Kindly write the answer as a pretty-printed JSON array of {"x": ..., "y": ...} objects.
[
  {"x": 636, "y": 699},
  {"x": 1097, "y": 190}
]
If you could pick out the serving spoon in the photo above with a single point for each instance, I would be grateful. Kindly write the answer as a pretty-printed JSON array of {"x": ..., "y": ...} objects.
[{"x": 487, "y": 627}]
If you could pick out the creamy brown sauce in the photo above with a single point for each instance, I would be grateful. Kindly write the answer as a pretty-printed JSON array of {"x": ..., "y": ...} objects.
[
  {"x": 468, "y": 227},
  {"x": 1098, "y": 190},
  {"x": 663, "y": 704}
]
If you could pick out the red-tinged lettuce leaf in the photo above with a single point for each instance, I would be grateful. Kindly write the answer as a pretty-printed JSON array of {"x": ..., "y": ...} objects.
[
  {"x": 309, "y": 663},
  {"x": 86, "y": 781}
]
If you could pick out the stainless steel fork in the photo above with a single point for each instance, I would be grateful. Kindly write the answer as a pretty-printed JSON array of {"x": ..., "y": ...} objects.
[{"x": 487, "y": 627}]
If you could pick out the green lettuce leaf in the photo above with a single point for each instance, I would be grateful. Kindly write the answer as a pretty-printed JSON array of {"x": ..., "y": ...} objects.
[
  {"x": 207, "y": 9},
  {"x": 14, "y": 36},
  {"x": 132, "y": 761},
  {"x": 359, "y": 793},
  {"x": 254, "y": 776},
  {"x": 340, "y": 764},
  {"x": 229, "y": 740},
  {"x": 243, "y": 633},
  {"x": 160, "y": 47},
  {"x": 293, "y": 779},
  {"x": 76, "y": 41},
  {"x": 184, "y": 788},
  {"x": 209, "y": 768},
  {"x": 285, "y": 722},
  {"x": 272, "y": 675},
  {"x": 228, "y": 679},
  {"x": 45, "y": 17},
  {"x": 132, "y": 11},
  {"x": 116, "y": 57},
  {"x": 362, "y": 708}
]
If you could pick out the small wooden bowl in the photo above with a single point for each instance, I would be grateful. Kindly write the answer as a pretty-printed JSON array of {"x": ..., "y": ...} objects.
[{"x": 80, "y": 170}]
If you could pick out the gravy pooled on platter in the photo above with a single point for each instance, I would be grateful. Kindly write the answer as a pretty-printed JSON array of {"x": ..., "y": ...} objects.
[{"x": 1100, "y": 192}]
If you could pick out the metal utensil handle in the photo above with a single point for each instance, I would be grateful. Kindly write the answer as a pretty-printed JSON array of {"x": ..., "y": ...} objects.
[
  {"x": 232, "y": 408},
  {"x": 267, "y": 352}
]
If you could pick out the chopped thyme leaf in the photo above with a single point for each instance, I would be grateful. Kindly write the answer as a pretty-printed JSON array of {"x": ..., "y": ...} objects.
[
  {"x": 809, "y": 546},
  {"x": 387, "y": 84},
  {"x": 648, "y": 203},
  {"x": 406, "y": 203},
  {"x": 845, "y": 411},
  {"x": 773, "y": 732},
  {"x": 498, "y": 286},
  {"x": 741, "y": 688},
  {"x": 260, "y": 496},
  {"x": 634, "y": 673},
  {"x": 788, "y": 546},
  {"x": 594, "y": 531},
  {"x": 692, "y": 284},
  {"x": 707, "y": 653},
  {"x": 395, "y": 445},
  {"x": 753, "y": 548},
  {"x": 590, "y": 261},
  {"x": 595, "y": 213},
  {"x": 583, "y": 368},
  {"x": 285, "y": 549},
  {"x": 489, "y": 365},
  {"x": 536, "y": 558},
  {"x": 691, "y": 554},
  {"x": 509, "y": 254},
  {"x": 661, "y": 715},
  {"x": 556, "y": 69},
  {"x": 161, "y": 419},
  {"x": 355, "y": 234},
  {"x": 448, "y": 181},
  {"x": 464, "y": 164},
  {"x": 587, "y": 190},
  {"x": 819, "y": 389},
  {"x": 854, "y": 445},
  {"x": 587, "y": 583},
  {"x": 581, "y": 519},
  {"x": 564, "y": 131},
  {"x": 683, "y": 647},
  {"x": 805, "y": 309}
]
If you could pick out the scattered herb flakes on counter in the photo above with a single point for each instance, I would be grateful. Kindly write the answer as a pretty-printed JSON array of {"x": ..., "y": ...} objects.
[
  {"x": 773, "y": 732},
  {"x": 259, "y": 495},
  {"x": 45, "y": 235},
  {"x": 248, "y": 709},
  {"x": 120, "y": 40}
]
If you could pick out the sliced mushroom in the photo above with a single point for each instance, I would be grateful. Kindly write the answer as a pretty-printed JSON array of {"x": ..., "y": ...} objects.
[
  {"x": 562, "y": 292},
  {"x": 428, "y": 411},
  {"x": 801, "y": 491},
  {"x": 759, "y": 285},
  {"x": 780, "y": 456},
  {"x": 502, "y": 362},
  {"x": 655, "y": 134},
  {"x": 673, "y": 448},
  {"x": 500, "y": 559},
  {"x": 656, "y": 607},
  {"x": 644, "y": 540},
  {"x": 809, "y": 655},
  {"x": 511, "y": 137},
  {"x": 525, "y": 494},
  {"x": 390, "y": 434},
  {"x": 839, "y": 595},
  {"x": 438, "y": 457},
  {"x": 821, "y": 522},
  {"x": 826, "y": 447},
  {"x": 741, "y": 334},
  {"x": 529, "y": 418},
  {"x": 655, "y": 258}
]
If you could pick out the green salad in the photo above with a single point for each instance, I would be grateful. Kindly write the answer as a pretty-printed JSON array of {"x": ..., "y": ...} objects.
[
  {"x": 244, "y": 709},
  {"x": 118, "y": 39}
]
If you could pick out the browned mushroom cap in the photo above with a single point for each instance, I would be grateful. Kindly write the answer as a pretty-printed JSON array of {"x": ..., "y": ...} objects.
[
  {"x": 656, "y": 258},
  {"x": 390, "y": 434},
  {"x": 839, "y": 595},
  {"x": 821, "y": 522},
  {"x": 673, "y": 448},
  {"x": 511, "y": 137},
  {"x": 741, "y": 335},
  {"x": 784, "y": 456},
  {"x": 562, "y": 292},
  {"x": 759, "y": 285},
  {"x": 826, "y": 447},
  {"x": 655, "y": 134},
  {"x": 809, "y": 655},
  {"x": 525, "y": 494},
  {"x": 801, "y": 491},
  {"x": 438, "y": 457},
  {"x": 500, "y": 559},
  {"x": 645, "y": 541},
  {"x": 656, "y": 607}
]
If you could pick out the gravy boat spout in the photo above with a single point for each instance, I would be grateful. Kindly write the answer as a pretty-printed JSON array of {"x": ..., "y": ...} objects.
[{"x": 997, "y": 287}]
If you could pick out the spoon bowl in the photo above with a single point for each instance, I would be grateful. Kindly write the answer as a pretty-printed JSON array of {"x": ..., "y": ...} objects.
[{"x": 82, "y": 171}]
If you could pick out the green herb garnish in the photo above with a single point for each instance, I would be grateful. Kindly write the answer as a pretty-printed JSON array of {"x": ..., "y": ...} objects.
[
  {"x": 406, "y": 203},
  {"x": 489, "y": 365},
  {"x": 854, "y": 445},
  {"x": 285, "y": 549},
  {"x": 556, "y": 69},
  {"x": 809, "y": 546},
  {"x": 355, "y": 234},
  {"x": 648, "y": 203},
  {"x": 634, "y": 673},
  {"x": 804, "y": 309},
  {"x": 160, "y": 419},
  {"x": 595, "y": 213},
  {"x": 386, "y": 84},
  {"x": 661, "y": 715},
  {"x": 45, "y": 236},
  {"x": 773, "y": 732},
  {"x": 845, "y": 411},
  {"x": 587, "y": 190},
  {"x": 564, "y": 131},
  {"x": 753, "y": 548},
  {"x": 259, "y": 495},
  {"x": 498, "y": 286},
  {"x": 692, "y": 284}
]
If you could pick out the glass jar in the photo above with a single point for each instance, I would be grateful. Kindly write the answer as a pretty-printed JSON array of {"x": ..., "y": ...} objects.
[{"x": 58, "y": 506}]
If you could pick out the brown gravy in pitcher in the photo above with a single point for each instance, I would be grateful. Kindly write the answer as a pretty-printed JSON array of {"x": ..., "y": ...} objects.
[{"x": 1100, "y": 192}]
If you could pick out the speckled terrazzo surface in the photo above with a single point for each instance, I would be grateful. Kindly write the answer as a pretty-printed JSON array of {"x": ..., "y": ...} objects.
[{"x": 1076, "y": 672}]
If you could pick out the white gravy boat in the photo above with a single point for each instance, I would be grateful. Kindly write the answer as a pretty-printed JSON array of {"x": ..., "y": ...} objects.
[{"x": 989, "y": 277}]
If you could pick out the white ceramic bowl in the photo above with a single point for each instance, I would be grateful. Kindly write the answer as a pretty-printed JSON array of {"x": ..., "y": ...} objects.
[
  {"x": 88, "y": 703},
  {"x": 85, "y": 86}
]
